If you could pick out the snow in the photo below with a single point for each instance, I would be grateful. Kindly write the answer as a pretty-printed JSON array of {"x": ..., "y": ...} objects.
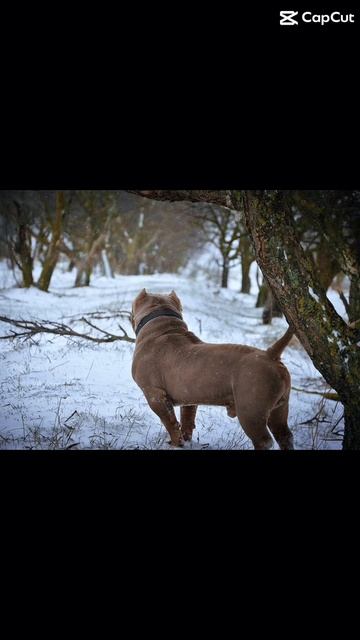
[
  {"x": 336, "y": 301},
  {"x": 106, "y": 263},
  {"x": 58, "y": 392},
  {"x": 314, "y": 295}
]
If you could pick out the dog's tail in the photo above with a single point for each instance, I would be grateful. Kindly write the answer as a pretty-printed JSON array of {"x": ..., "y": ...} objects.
[{"x": 276, "y": 349}]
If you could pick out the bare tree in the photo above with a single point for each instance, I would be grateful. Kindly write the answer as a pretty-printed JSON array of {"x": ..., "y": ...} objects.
[
  {"x": 17, "y": 220},
  {"x": 87, "y": 237},
  {"x": 53, "y": 248},
  {"x": 34, "y": 227},
  {"x": 220, "y": 227}
]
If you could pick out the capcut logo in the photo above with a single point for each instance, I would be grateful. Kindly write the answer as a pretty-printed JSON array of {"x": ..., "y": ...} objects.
[{"x": 287, "y": 18}]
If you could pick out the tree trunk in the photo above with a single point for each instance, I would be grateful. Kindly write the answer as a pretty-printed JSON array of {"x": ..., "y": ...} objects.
[
  {"x": 22, "y": 248},
  {"x": 83, "y": 276},
  {"x": 88, "y": 272},
  {"x": 53, "y": 251},
  {"x": 246, "y": 263},
  {"x": 86, "y": 265},
  {"x": 245, "y": 281},
  {"x": 271, "y": 308},
  {"x": 327, "y": 265},
  {"x": 247, "y": 259},
  {"x": 354, "y": 299},
  {"x": 26, "y": 260},
  {"x": 108, "y": 272},
  {"x": 352, "y": 425},
  {"x": 268, "y": 301},
  {"x": 351, "y": 402},
  {"x": 81, "y": 280},
  {"x": 262, "y": 295},
  {"x": 225, "y": 275}
]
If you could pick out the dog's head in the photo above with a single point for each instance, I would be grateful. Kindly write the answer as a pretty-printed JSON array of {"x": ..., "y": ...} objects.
[{"x": 146, "y": 302}]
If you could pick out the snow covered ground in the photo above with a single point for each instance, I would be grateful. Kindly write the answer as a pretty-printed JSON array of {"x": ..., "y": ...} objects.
[{"x": 60, "y": 392}]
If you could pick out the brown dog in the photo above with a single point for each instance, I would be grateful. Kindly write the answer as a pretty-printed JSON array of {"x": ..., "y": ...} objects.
[{"x": 174, "y": 367}]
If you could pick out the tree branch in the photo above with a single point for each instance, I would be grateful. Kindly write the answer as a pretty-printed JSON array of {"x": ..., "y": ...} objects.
[
  {"x": 32, "y": 328},
  {"x": 328, "y": 395},
  {"x": 221, "y": 198}
]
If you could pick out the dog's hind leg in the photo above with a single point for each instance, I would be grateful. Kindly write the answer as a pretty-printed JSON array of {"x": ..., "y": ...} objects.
[
  {"x": 163, "y": 407},
  {"x": 254, "y": 425},
  {"x": 278, "y": 426},
  {"x": 187, "y": 419}
]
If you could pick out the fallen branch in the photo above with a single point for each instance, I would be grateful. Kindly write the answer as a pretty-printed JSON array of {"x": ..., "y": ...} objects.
[
  {"x": 32, "y": 328},
  {"x": 93, "y": 326},
  {"x": 328, "y": 395},
  {"x": 100, "y": 315}
]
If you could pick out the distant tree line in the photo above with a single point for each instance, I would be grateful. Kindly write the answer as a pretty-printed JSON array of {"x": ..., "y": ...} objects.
[
  {"x": 113, "y": 230},
  {"x": 118, "y": 232},
  {"x": 124, "y": 233}
]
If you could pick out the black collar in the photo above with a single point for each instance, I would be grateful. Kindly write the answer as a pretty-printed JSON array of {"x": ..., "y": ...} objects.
[{"x": 156, "y": 314}]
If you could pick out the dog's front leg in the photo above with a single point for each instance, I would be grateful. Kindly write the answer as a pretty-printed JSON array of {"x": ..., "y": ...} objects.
[
  {"x": 187, "y": 419},
  {"x": 163, "y": 407}
]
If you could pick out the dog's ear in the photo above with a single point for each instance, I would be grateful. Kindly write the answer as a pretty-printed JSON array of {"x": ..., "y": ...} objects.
[
  {"x": 141, "y": 296},
  {"x": 174, "y": 297}
]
